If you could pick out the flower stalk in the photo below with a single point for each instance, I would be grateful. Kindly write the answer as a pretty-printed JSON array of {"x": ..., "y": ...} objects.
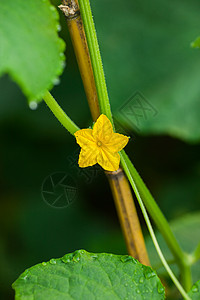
[{"x": 60, "y": 114}]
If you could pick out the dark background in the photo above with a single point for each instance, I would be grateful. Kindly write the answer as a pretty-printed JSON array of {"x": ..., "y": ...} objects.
[{"x": 146, "y": 48}]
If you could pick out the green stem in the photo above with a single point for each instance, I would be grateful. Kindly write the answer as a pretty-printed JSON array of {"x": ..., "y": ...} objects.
[
  {"x": 160, "y": 265},
  {"x": 95, "y": 55},
  {"x": 196, "y": 254},
  {"x": 154, "y": 210},
  {"x": 147, "y": 220},
  {"x": 163, "y": 226},
  {"x": 60, "y": 114},
  {"x": 186, "y": 276}
]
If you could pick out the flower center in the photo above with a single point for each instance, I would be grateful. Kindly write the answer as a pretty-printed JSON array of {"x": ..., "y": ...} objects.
[{"x": 99, "y": 144}]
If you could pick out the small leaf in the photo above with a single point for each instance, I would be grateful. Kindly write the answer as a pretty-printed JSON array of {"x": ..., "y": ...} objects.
[
  {"x": 83, "y": 275},
  {"x": 196, "y": 43},
  {"x": 31, "y": 51},
  {"x": 194, "y": 293}
]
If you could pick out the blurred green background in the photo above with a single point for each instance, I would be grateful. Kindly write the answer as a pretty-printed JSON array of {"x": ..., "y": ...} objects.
[{"x": 146, "y": 48}]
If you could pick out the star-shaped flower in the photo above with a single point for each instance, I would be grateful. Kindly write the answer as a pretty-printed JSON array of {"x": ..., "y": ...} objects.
[{"x": 100, "y": 145}]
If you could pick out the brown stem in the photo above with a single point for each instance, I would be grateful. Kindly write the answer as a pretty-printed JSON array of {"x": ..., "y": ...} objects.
[
  {"x": 128, "y": 215},
  {"x": 119, "y": 184},
  {"x": 77, "y": 33}
]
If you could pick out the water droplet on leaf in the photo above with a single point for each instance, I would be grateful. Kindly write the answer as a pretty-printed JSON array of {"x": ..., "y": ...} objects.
[
  {"x": 76, "y": 258},
  {"x": 33, "y": 105},
  {"x": 160, "y": 288},
  {"x": 25, "y": 275},
  {"x": 149, "y": 273},
  {"x": 65, "y": 260},
  {"x": 141, "y": 280},
  {"x": 59, "y": 27},
  {"x": 56, "y": 81},
  {"x": 77, "y": 255},
  {"x": 126, "y": 258},
  {"x": 52, "y": 261}
]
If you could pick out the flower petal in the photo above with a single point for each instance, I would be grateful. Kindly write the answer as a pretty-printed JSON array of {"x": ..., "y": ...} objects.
[
  {"x": 103, "y": 129},
  {"x": 87, "y": 158},
  {"x": 109, "y": 161},
  {"x": 85, "y": 138},
  {"x": 117, "y": 142}
]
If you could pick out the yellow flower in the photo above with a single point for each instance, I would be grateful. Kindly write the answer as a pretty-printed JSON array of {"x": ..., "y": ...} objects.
[{"x": 100, "y": 145}]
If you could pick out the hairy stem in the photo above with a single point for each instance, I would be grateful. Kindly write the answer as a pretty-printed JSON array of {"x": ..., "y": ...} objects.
[
  {"x": 77, "y": 33},
  {"x": 60, "y": 114},
  {"x": 186, "y": 275},
  {"x": 95, "y": 55},
  {"x": 196, "y": 254},
  {"x": 165, "y": 264},
  {"x": 154, "y": 211},
  {"x": 160, "y": 221}
]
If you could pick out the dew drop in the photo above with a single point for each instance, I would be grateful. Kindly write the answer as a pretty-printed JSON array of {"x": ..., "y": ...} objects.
[
  {"x": 149, "y": 273},
  {"x": 33, "y": 105},
  {"x": 160, "y": 288},
  {"x": 44, "y": 263},
  {"x": 126, "y": 258},
  {"x": 141, "y": 280},
  {"x": 52, "y": 261},
  {"x": 59, "y": 27},
  {"x": 56, "y": 81},
  {"x": 195, "y": 288},
  {"x": 65, "y": 260},
  {"x": 76, "y": 258},
  {"x": 126, "y": 284},
  {"x": 25, "y": 275},
  {"x": 138, "y": 291},
  {"x": 77, "y": 255}
]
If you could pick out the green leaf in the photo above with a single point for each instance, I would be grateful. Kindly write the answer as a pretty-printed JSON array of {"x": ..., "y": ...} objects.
[
  {"x": 187, "y": 232},
  {"x": 146, "y": 47},
  {"x": 83, "y": 275},
  {"x": 31, "y": 51},
  {"x": 194, "y": 293},
  {"x": 196, "y": 43}
]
